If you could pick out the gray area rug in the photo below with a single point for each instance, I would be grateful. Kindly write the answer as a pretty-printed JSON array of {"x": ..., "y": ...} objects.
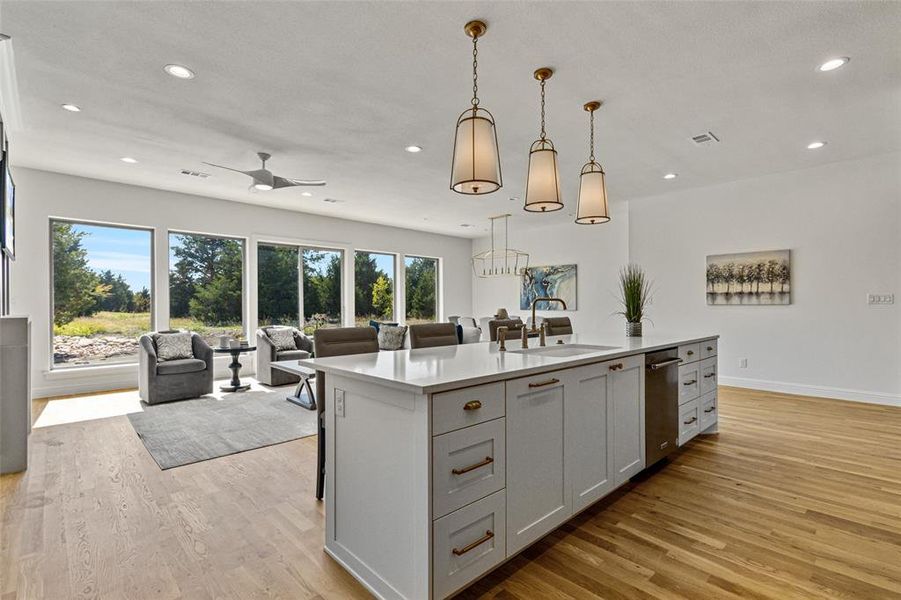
[{"x": 190, "y": 431}]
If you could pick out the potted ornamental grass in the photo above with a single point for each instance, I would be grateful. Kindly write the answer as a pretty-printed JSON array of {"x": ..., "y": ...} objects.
[{"x": 635, "y": 295}]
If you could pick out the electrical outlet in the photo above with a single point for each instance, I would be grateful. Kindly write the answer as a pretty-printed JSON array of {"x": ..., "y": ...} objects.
[
  {"x": 874, "y": 299},
  {"x": 742, "y": 363},
  {"x": 339, "y": 403}
]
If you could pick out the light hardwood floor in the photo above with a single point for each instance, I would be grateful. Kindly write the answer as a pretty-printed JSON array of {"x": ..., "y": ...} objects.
[{"x": 795, "y": 498}]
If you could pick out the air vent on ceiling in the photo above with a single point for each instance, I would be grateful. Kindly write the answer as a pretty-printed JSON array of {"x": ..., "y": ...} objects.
[
  {"x": 200, "y": 174},
  {"x": 331, "y": 200},
  {"x": 704, "y": 138}
]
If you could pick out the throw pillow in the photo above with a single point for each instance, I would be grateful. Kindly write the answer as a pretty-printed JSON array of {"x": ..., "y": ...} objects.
[
  {"x": 282, "y": 338},
  {"x": 173, "y": 346},
  {"x": 302, "y": 341},
  {"x": 391, "y": 337}
]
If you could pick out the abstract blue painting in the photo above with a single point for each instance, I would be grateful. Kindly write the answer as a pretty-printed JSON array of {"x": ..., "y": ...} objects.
[{"x": 556, "y": 281}]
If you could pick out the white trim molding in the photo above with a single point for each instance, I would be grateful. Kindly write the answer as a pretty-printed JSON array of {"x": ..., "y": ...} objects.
[{"x": 801, "y": 389}]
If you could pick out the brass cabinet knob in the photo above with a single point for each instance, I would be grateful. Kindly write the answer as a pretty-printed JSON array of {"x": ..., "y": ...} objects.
[{"x": 473, "y": 405}]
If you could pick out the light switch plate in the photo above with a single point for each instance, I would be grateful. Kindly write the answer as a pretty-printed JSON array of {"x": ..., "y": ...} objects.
[
  {"x": 339, "y": 403},
  {"x": 880, "y": 299}
]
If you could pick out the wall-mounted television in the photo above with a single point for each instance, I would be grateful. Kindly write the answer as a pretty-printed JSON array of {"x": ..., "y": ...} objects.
[{"x": 8, "y": 202}]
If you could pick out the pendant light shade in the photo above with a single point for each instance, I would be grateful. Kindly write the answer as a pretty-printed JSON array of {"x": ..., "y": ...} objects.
[
  {"x": 476, "y": 167},
  {"x": 543, "y": 182},
  {"x": 592, "y": 185}
]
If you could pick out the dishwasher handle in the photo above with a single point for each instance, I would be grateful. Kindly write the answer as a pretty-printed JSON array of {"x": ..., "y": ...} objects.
[{"x": 664, "y": 364}]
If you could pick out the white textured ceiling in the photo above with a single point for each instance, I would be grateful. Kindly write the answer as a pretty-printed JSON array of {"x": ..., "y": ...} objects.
[{"x": 337, "y": 90}]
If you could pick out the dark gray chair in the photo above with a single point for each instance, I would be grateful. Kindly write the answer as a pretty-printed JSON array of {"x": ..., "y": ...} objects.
[
  {"x": 558, "y": 325},
  {"x": 174, "y": 379},
  {"x": 340, "y": 341},
  {"x": 267, "y": 354},
  {"x": 430, "y": 335},
  {"x": 511, "y": 324}
]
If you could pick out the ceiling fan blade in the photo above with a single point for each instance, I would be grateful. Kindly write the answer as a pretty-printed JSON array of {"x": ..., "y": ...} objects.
[
  {"x": 226, "y": 168},
  {"x": 281, "y": 182},
  {"x": 304, "y": 181}
]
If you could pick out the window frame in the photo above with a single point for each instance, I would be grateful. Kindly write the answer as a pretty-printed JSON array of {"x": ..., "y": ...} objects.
[
  {"x": 245, "y": 280},
  {"x": 343, "y": 253},
  {"x": 399, "y": 271},
  {"x": 153, "y": 320},
  {"x": 439, "y": 284}
]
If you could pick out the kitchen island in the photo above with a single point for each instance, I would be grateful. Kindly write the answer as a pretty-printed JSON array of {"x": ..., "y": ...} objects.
[{"x": 443, "y": 463}]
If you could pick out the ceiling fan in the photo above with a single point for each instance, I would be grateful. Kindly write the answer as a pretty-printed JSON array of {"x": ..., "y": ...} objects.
[{"x": 264, "y": 180}]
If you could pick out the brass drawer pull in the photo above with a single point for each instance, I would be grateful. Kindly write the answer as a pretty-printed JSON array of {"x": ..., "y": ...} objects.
[
  {"x": 690, "y": 352},
  {"x": 461, "y": 551},
  {"x": 709, "y": 348},
  {"x": 488, "y": 460},
  {"x": 544, "y": 383},
  {"x": 709, "y": 375},
  {"x": 690, "y": 421},
  {"x": 692, "y": 382},
  {"x": 473, "y": 405},
  {"x": 710, "y": 410},
  {"x": 616, "y": 366}
]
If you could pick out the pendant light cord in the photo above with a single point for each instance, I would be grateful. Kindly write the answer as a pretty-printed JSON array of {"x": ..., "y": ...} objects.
[
  {"x": 591, "y": 138},
  {"x": 475, "y": 72},
  {"x": 543, "y": 134}
]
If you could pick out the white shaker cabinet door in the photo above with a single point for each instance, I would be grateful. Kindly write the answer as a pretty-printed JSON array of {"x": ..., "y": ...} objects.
[
  {"x": 627, "y": 392},
  {"x": 589, "y": 430},
  {"x": 539, "y": 497}
]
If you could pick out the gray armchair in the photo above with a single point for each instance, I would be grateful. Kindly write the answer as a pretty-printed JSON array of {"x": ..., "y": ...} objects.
[
  {"x": 267, "y": 354},
  {"x": 174, "y": 379}
]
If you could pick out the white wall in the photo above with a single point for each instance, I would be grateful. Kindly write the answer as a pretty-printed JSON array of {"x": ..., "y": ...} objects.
[
  {"x": 842, "y": 223},
  {"x": 597, "y": 250},
  {"x": 41, "y": 195}
]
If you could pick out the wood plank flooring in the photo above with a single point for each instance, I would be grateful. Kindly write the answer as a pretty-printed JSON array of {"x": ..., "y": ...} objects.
[{"x": 795, "y": 498}]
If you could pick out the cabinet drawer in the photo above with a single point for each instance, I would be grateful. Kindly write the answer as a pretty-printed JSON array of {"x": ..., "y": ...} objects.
[
  {"x": 469, "y": 406},
  {"x": 467, "y": 543},
  {"x": 708, "y": 348},
  {"x": 689, "y": 384},
  {"x": 467, "y": 464},
  {"x": 708, "y": 375},
  {"x": 690, "y": 353},
  {"x": 708, "y": 411},
  {"x": 689, "y": 421}
]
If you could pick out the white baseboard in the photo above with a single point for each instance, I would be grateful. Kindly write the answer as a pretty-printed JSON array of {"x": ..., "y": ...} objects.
[
  {"x": 67, "y": 382},
  {"x": 813, "y": 390}
]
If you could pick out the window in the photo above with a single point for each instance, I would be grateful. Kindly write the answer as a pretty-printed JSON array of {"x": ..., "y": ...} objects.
[
  {"x": 278, "y": 289},
  {"x": 102, "y": 292},
  {"x": 421, "y": 289},
  {"x": 206, "y": 285},
  {"x": 373, "y": 287},
  {"x": 321, "y": 288},
  {"x": 279, "y": 285}
]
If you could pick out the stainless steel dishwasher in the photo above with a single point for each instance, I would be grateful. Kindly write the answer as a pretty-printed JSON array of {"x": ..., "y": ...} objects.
[{"x": 661, "y": 404}]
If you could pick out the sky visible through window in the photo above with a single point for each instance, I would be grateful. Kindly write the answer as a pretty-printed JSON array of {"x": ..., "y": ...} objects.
[{"x": 122, "y": 251}]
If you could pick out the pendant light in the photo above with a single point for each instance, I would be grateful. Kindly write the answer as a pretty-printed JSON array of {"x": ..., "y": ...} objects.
[
  {"x": 500, "y": 262},
  {"x": 543, "y": 182},
  {"x": 592, "y": 187},
  {"x": 476, "y": 167}
]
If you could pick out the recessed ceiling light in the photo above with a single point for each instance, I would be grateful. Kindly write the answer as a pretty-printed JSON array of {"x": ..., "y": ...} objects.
[
  {"x": 815, "y": 145},
  {"x": 670, "y": 176},
  {"x": 263, "y": 187},
  {"x": 179, "y": 71},
  {"x": 71, "y": 108},
  {"x": 128, "y": 159},
  {"x": 306, "y": 194},
  {"x": 833, "y": 64},
  {"x": 413, "y": 149}
]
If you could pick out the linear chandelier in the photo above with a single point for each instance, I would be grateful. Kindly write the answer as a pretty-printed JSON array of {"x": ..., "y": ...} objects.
[{"x": 500, "y": 262}]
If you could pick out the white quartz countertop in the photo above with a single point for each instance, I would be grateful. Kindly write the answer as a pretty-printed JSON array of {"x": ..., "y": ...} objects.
[{"x": 430, "y": 370}]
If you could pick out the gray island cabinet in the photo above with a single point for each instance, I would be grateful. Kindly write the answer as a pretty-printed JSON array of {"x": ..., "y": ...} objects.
[{"x": 443, "y": 463}]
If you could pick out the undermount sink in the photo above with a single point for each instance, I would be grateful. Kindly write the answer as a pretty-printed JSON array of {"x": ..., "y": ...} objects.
[{"x": 564, "y": 349}]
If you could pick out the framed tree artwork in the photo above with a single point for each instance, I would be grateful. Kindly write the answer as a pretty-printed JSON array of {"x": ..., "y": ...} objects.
[{"x": 749, "y": 278}]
